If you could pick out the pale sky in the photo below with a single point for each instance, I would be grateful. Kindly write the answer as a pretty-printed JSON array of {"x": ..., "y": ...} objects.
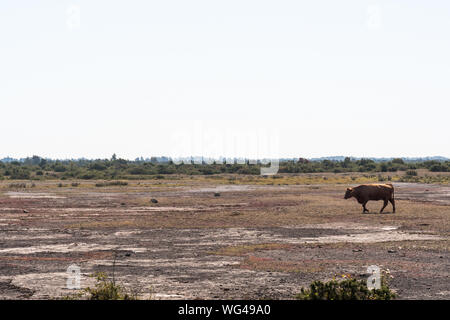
[{"x": 224, "y": 78}]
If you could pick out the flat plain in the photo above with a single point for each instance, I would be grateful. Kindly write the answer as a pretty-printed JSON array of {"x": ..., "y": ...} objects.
[{"x": 220, "y": 236}]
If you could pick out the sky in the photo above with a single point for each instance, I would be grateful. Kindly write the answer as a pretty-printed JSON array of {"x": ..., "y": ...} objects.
[{"x": 247, "y": 78}]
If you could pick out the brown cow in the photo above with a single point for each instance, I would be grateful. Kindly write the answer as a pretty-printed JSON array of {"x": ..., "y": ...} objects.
[{"x": 367, "y": 192}]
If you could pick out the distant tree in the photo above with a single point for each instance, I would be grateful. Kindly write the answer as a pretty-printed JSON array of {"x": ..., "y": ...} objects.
[
  {"x": 438, "y": 168},
  {"x": 42, "y": 163},
  {"x": 35, "y": 160},
  {"x": 98, "y": 166}
]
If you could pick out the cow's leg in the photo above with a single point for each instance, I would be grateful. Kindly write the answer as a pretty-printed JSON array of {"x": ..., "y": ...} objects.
[
  {"x": 364, "y": 207},
  {"x": 384, "y": 205},
  {"x": 393, "y": 204}
]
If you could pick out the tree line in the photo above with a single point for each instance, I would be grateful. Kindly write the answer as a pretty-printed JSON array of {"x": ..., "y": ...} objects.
[{"x": 37, "y": 168}]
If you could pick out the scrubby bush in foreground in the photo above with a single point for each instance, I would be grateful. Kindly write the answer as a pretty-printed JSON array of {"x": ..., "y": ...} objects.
[
  {"x": 106, "y": 289},
  {"x": 347, "y": 289}
]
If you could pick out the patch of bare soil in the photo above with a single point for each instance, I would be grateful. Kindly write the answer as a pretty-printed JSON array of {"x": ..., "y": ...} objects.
[{"x": 423, "y": 192}]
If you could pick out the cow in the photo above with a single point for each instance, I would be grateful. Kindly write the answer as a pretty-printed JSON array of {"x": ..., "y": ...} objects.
[{"x": 366, "y": 192}]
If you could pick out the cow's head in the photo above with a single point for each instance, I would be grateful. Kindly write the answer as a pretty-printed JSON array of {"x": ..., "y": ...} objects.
[{"x": 348, "y": 193}]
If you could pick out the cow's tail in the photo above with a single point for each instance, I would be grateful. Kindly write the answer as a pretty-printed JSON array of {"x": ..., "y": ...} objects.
[{"x": 390, "y": 184}]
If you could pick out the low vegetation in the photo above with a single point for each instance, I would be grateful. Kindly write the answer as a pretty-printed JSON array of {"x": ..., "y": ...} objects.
[
  {"x": 37, "y": 168},
  {"x": 346, "y": 289},
  {"x": 104, "y": 289},
  {"x": 111, "y": 183}
]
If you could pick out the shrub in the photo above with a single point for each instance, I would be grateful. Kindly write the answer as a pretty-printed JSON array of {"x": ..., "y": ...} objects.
[
  {"x": 398, "y": 161},
  {"x": 17, "y": 185},
  {"x": 111, "y": 183},
  {"x": 249, "y": 170},
  {"x": 20, "y": 174},
  {"x": 106, "y": 289},
  {"x": 348, "y": 289},
  {"x": 59, "y": 168},
  {"x": 87, "y": 176},
  {"x": 138, "y": 170},
  {"x": 438, "y": 168},
  {"x": 411, "y": 173}
]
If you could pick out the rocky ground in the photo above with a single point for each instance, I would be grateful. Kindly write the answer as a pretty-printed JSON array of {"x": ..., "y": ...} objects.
[{"x": 205, "y": 240}]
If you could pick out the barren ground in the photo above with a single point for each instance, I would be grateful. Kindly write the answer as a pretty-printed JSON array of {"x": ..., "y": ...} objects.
[{"x": 251, "y": 242}]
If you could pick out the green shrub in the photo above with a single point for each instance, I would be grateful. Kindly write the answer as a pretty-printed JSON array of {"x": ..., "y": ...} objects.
[
  {"x": 20, "y": 174},
  {"x": 106, "y": 289},
  {"x": 87, "y": 176},
  {"x": 97, "y": 166},
  {"x": 17, "y": 185},
  {"x": 348, "y": 289},
  {"x": 398, "y": 161},
  {"x": 438, "y": 168},
  {"x": 138, "y": 170},
  {"x": 59, "y": 168},
  {"x": 111, "y": 183},
  {"x": 411, "y": 173}
]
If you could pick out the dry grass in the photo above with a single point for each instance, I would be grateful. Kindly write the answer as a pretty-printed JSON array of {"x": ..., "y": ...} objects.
[
  {"x": 270, "y": 208},
  {"x": 428, "y": 245},
  {"x": 177, "y": 180},
  {"x": 258, "y": 204},
  {"x": 253, "y": 203},
  {"x": 272, "y": 265},
  {"x": 243, "y": 250}
]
